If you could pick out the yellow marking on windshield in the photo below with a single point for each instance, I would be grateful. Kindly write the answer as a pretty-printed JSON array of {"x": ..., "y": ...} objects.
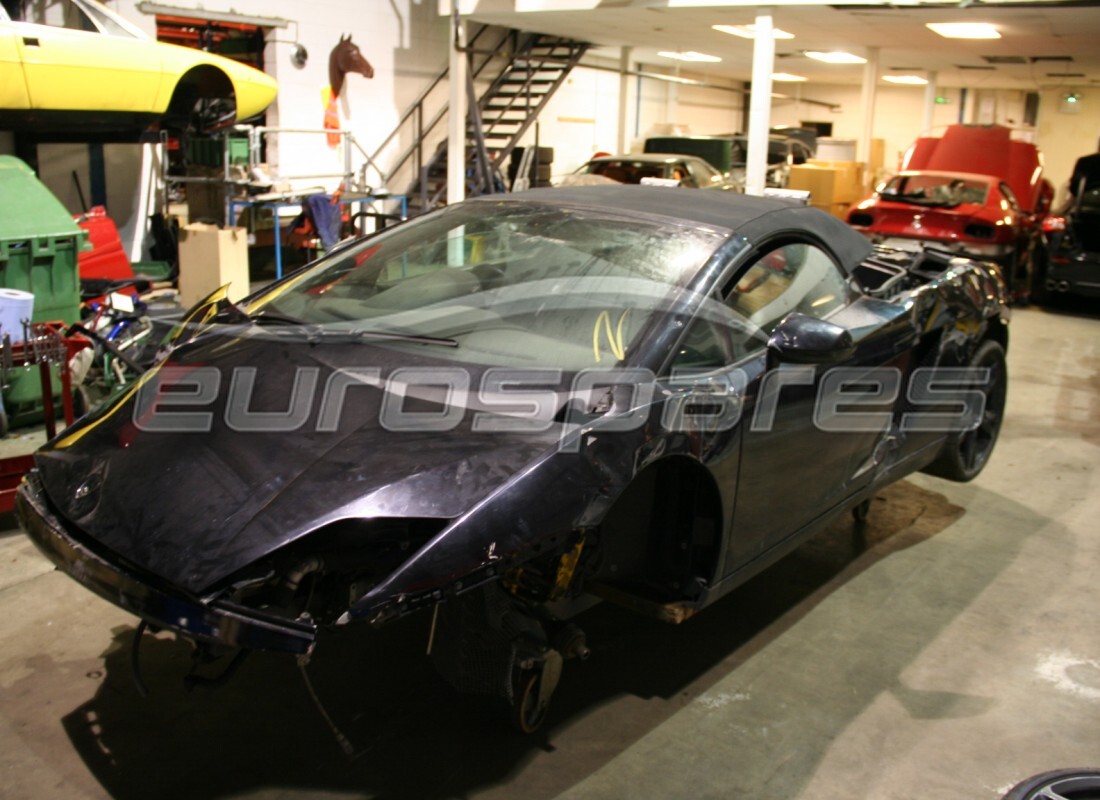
[{"x": 614, "y": 337}]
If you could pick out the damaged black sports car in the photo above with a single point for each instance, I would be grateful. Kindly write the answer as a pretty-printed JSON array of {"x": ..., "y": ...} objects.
[{"x": 502, "y": 411}]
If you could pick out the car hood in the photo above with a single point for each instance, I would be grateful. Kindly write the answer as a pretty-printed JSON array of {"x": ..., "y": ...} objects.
[{"x": 195, "y": 507}]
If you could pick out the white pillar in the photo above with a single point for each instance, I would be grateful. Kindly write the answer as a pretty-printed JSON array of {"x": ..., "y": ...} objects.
[
  {"x": 456, "y": 123},
  {"x": 867, "y": 98},
  {"x": 929, "y": 102},
  {"x": 760, "y": 103},
  {"x": 623, "y": 143}
]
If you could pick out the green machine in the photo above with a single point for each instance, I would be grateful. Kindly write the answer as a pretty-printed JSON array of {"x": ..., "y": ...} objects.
[{"x": 39, "y": 242}]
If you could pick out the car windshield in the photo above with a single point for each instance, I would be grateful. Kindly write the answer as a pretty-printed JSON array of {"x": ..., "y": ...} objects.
[
  {"x": 627, "y": 171},
  {"x": 505, "y": 283},
  {"x": 1090, "y": 201},
  {"x": 79, "y": 15},
  {"x": 935, "y": 190}
]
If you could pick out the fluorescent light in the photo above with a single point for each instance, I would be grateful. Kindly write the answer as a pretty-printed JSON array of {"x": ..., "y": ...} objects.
[
  {"x": 835, "y": 57},
  {"x": 690, "y": 55},
  {"x": 555, "y": 5},
  {"x": 908, "y": 80},
  {"x": 670, "y": 78},
  {"x": 786, "y": 77},
  {"x": 964, "y": 30},
  {"x": 749, "y": 31}
]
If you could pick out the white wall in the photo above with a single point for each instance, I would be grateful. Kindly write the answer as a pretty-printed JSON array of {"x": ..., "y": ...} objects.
[
  {"x": 899, "y": 112},
  {"x": 576, "y": 122},
  {"x": 1064, "y": 137},
  {"x": 405, "y": 42}
]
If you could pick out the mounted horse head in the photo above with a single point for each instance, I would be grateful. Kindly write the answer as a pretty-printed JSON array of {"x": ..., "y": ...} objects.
[{"x": 345, "y": 58}]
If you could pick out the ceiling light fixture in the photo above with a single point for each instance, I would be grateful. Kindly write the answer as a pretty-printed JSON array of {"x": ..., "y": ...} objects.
[
  {"x": 690, "y": 55},
  {"x": 786, "y": 77},
  {"x": 835, "y": 57},
  {"x": 964, "y": 30},
  {"x": 908, "y": 80},
  {"x": 555, "y": 5},
  {"x": 749, "y": 31}
]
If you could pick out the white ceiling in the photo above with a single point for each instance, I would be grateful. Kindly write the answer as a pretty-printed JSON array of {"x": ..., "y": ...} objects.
[{"x": 1029, "y": 30}]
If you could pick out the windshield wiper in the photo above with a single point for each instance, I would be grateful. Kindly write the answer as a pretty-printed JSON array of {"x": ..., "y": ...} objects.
[
  {"x": 277, "y": 317},
  {"x": 235, "y": 313},
  {"x": 314, "y": 332},
  {"x": 416, "y": 338}
]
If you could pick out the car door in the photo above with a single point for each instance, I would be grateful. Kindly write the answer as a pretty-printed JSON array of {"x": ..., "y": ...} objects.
[
  {"x": 71, "y": 64},
  {"x": 800, "y": 456}
]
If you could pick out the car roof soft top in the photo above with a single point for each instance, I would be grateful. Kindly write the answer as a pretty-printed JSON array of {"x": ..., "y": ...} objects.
[{"x": 754, "y": 218}]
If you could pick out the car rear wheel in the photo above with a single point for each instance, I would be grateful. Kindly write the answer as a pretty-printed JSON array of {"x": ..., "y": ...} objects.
[{"x": 965, "y": 453}]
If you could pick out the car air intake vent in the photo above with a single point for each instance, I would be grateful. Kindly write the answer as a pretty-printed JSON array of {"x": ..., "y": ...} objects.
[
  {"x": 980, "y": 231},
  {"x": 860, "y": 218}
]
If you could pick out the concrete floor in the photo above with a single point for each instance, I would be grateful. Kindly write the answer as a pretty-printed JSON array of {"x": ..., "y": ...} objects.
[{"x": 950, "y": 654}]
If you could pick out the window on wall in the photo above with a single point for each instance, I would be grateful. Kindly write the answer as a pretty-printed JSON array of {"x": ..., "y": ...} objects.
[
  {"x": 1031, "y": 109},
  {"x": 822, "y": 128}
]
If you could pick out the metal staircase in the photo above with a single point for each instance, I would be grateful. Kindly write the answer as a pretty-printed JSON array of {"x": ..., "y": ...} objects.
[{"x": 529, "y": 68}]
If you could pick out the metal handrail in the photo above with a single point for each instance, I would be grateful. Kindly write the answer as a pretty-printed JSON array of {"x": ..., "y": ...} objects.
[{"x": 417, "y": 109}]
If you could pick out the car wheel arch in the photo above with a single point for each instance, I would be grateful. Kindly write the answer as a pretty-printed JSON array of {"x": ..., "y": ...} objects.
[
  {"x": 199, "y": 82},
  {"x": 634, "y": 541}
]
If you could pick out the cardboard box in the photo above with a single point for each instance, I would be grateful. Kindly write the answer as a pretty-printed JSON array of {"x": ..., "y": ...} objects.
[
  {"x": 821, "y": 182},
  {"x": 838, "y": 210},
  {"x": 849, "y": 184},
  {"x": 211, "y": 257}
]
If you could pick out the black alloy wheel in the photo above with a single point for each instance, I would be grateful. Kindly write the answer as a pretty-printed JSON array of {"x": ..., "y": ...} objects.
[{"x": 966, "y": 452}]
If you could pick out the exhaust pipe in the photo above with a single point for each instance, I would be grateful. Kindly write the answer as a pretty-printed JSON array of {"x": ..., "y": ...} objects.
[
  {"x": 1052, "y": 285},
  {"x": 1063, "y": 286}
]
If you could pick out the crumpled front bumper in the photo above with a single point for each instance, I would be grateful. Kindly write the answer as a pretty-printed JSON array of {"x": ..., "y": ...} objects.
[{"x": 164, "y": 606}]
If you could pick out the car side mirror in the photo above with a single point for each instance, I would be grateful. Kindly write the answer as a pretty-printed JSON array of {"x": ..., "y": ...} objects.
[{"x": 804, "y": 339}]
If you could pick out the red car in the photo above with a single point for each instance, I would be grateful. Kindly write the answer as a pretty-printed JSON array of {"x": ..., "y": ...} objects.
[
  {"x": 973, "y": 214},
  {"x": 975, "y": 190}
]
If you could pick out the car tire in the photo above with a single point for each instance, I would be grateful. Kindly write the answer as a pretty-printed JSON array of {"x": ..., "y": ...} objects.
[
  {"x": 965, "y": 453},
  {"x": 1040, "y": 295},
  {"x": 1078, "y": 784},
  {"x": 1010, "y": 273}
]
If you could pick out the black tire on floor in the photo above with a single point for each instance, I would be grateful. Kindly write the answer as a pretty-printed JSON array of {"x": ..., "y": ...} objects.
[
  {"x": 965, "y": 453},
  {"x": 1078, "y": 784}
]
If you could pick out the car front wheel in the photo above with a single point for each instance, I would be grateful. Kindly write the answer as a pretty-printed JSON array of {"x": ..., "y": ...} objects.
[{"x": 1061, "y": 784}]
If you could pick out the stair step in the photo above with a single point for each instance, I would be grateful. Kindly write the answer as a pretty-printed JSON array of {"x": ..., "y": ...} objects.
[
  {"x": 518, "y": 93},
  {"x": 532, "y": 81}
]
